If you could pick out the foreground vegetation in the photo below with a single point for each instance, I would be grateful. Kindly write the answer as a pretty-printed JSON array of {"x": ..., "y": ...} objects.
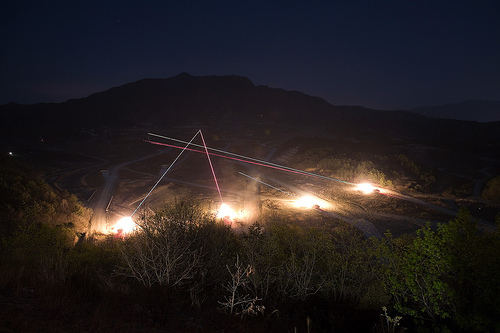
[{"x": 183, "y": 270}]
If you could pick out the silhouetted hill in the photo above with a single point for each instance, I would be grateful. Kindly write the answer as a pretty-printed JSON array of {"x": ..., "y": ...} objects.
[
  {"x": 483, "y": 111},
  {"x": 177, "y": 100},
  {"x": 218, "y": 101}
]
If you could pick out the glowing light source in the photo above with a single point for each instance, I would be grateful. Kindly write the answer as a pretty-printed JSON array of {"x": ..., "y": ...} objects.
[
  {"x": 126, "y": 224},
  {"x": 225, "y": 211},
  {"x": 226, "y": 214},
  {"x": 307, "y": 202},
  {"x": 366, "y": 188}
]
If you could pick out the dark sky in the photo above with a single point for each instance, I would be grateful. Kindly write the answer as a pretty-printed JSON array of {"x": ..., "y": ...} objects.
[{"x": 380, "y": 54}]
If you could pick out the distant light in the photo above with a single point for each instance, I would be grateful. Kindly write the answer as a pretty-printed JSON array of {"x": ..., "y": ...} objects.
[
  {"x": 11, "y": 153},
  {"x": 307, "y": 202},
  {"x": 225, "y": 211},
  {"x": 126, "y": 224},
  {"x": 366, "y": 188}
]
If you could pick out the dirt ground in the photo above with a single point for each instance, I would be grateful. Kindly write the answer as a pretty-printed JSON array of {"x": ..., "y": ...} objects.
[{"x": 264, "y": 194}]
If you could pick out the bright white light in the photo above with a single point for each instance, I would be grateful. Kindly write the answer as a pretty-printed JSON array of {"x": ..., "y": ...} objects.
[
  {"x": 226, "y": 214},
  {"x": 366, "y": 188},
  {"x": 306, "y": 202},
  {"x": 126, "y": 224},
  {"x": 225, "y": 211}
]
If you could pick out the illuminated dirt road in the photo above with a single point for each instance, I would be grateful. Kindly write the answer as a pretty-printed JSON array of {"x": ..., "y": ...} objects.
[
  {"x": 99, "y": 222},
  {"x": 370, "y": 222}
]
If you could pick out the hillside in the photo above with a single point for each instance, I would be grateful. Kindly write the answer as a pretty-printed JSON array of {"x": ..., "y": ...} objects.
[
  {"x": 218, "y": 101},
  {"x": 110, "y": 126},
  {"x": 112, "y": 151}
]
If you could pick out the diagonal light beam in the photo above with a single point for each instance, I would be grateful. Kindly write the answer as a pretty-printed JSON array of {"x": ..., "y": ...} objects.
[
  {"x": 159, "y": 180},
  {"x": 211, "y": 167},
  {"x": 247, "y": 159},
  {"x": 241, "y": 173}
]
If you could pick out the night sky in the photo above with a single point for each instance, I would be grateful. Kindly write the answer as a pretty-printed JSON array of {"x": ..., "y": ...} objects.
[{"x": 379, "y": 54}]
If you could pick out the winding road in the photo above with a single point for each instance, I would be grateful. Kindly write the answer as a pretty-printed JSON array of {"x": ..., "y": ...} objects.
[{"x": 98, "y": 223}]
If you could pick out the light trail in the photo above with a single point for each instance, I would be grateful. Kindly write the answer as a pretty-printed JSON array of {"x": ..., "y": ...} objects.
[
  {"x": 211, "y": 167},
  {"x": 159, "y": 180},
  {"x": 269, "y": 164},
  {"x": 251, "y": 161},
  {"x": 241, "y": 173},
  {"x": 231, "y": 158}
]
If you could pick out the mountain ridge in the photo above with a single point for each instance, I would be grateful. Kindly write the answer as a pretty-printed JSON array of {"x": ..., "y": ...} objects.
[
  {"x": 470, "y": 110},
  {"x": 233, "y": 101}
]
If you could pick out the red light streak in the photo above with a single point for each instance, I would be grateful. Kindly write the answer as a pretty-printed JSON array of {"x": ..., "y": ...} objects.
[
  {"x": 211, "y": 167},
  {"x": 236, "y": 159}
]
